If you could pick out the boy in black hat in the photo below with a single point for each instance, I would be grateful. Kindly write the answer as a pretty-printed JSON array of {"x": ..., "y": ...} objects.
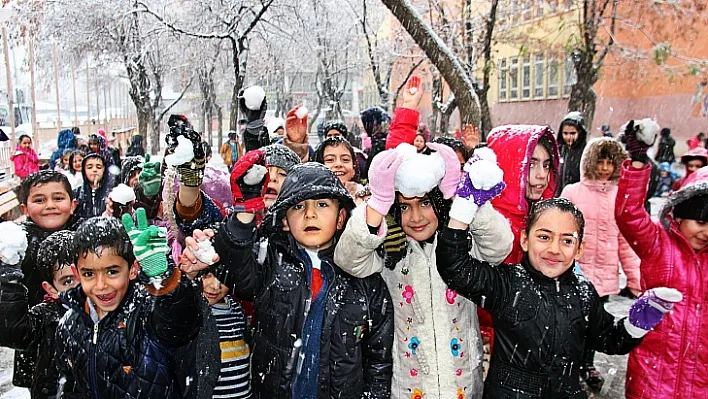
[{"x": 320, "y": 333}]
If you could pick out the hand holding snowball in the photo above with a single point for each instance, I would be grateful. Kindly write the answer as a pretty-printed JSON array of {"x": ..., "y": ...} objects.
[
  {"x": 13, "y": 245},
  {"x": 296, "y": 124},
  {"x": 481, "y": 181},
  {"x": 196, "y": 255},
  {"x": 412, "y": 94},
  {"x": 647, "y": 311}
]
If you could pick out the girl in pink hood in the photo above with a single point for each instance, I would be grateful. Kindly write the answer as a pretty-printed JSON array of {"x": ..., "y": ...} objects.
[{"x": 25, "y": 158}]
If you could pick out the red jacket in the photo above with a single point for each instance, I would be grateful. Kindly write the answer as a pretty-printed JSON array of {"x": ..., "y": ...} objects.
[
  {"x": 672, "y": 361},
  {"x": 514, "y": 146},
  {"x": 26, "y": 162},
  {"x": 404, "y": 127}
]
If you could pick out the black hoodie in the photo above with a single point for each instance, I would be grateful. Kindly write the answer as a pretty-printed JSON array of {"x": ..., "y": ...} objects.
[
  {"x": 93, "y": 202},
  {"x": 570, "y": 155}
]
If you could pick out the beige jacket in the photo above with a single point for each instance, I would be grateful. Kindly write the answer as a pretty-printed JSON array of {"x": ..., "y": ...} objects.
[{"x": 437, "y": 345}]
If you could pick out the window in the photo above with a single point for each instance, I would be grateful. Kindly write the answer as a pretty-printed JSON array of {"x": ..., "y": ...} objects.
[
  {"x": 538, "y": 75},
  {"x": 514, "y": 79},
  {"x": 568, "y": 4},
  {"x": 526, "y": 77},
  {"x": 552, "y": 76},
  {"x": 569, "y": 76},
  {"x": 539, "y": 8},
  {"x": 552, "y": 6},
  {"x": 515, "y": 11},
  {"x": 526, "y": 10},
  {"x": 502, "y": 79}
]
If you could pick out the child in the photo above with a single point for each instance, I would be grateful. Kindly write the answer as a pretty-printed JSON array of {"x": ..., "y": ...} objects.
[
  {"x": 25, "y": 158},
  {"x": 666, "y": 180},
  {"x": 234, "y": 377},
  {"x": 74, "y": 174},
  {"x": 280, "y": 159},
  {"x": 338, "y": 155},
  {"x": 692, "y": 161},
  {"x": 65, "y": 141},
  {"x": 32, "y": 329},
  {"x": 97, "y": 184},
  {"x": 572, "y": 137},
  {"x": 545, "y": 315},
  {"x": 320, "y": 333},
  {"x": 130, "y": 169},
  {"x": 670, "y": 362},
  {"x": 419, "y": 142},
  {"x": 118, "y": 338}
]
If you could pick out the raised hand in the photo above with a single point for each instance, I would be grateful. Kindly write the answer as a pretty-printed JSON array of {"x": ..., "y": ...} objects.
[
  {"x": 149, "y": 243},
  {"x": 470, "y": 136},
  {"x": 647, "y": 311},
  {"x": 481, "y": 181},
  {"x": 192, "y": 261},
  {"x": 296, "y": 127},
  {"x": 412, "y": 94},
  {"x": 13, "y": 245},
  {"x": 640, "y": 136},
  {"x": 150, "y": 178},
  {"x": 383, "y": 170},
  {"x": 249, "y": 177}
]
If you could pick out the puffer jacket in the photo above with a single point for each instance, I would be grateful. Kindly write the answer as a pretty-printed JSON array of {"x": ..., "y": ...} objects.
[
  {"x": 26, "y": 162},
  {"x": 514, "y": 146},
  {"x": 32, "y": 330},
  {"x": 672, "y": 362},
  {"x": 357, "y": 326},
  {"x": 542, "y": 325},
  {"x": 437, "y": 345},
  {"x": 605, "y": 247},
  {"x": 130, "y": 352}
]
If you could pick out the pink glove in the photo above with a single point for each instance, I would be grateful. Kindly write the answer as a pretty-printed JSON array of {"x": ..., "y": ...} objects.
[
  {"x": 448, "y": 184},
  {"x": 383, "y": 170}
]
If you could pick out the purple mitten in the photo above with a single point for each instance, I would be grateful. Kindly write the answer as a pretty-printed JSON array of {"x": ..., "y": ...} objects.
[
  {"x": 383, "y": 173},
  {"x": 448, "y": 184},
  {"x": 467, "y": 191},
  {"x": 481, "y": 181},
  {"x": 647, "y": 311}
]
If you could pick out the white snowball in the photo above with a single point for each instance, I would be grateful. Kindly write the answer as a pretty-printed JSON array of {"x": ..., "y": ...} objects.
[
  {"x": 413, "y": 90},
  {"x": 183, "y": 153},
  {"x": 205, "y": 253},
  {"x": 418, "y": 173},
  {"x": 122, "y": 194},
  {"x": 301, "y": 112},
  {"x": 253, "y": 97},
  {"x": 255, "y": 175},
  {"x": 13, "y": 243}
]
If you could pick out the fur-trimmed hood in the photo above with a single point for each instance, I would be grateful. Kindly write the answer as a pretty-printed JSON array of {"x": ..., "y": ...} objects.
[
  {"x": 695, "y": 184},
  {"x": 591, "y": 156}
]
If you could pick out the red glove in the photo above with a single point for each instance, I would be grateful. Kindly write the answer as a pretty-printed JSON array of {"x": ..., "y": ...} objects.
[{"x": 249, "y": 178}]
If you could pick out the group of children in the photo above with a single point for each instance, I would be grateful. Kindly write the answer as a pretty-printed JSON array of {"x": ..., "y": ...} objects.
[{"x": 294, "y": 291}]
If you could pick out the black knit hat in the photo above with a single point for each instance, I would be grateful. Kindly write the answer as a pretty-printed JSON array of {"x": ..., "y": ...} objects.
[
  {"x": 306, "y": 181},
  {"x": 336, "y": 125},
  {"x": 372, "y": 118},
  {"x": 280, "y": 156},
  {"x": 694, "y": 208}
]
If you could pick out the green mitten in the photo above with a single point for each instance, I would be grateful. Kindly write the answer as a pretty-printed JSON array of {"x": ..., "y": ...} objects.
[
  {"x": 150, "y": 178},
  {"x": 149, "y": 244}
]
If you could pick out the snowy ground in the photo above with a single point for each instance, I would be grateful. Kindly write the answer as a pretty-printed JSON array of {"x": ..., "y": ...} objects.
[{"x": 612, "y": 367}]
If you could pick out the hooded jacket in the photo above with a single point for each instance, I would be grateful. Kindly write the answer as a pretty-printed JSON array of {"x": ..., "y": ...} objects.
[
  {"x": 26, "y": 162},
  {"x": 698, "y": 153},
  {"x": 605, "y": 247},
  {"x": 92, "y": 202},
  {"x": 136, "y": 147},
  {"x": 672, "y": 362},
  {"x": 65, "y": 141},
  {"x": 514, "y": 146},
  {"x": 130, "y": 352},
  {"x": 542, "y": 325},
  {"x": 570, "y": 155},
  {"x": 103, "y": 150},
  {"x": 665, "y": 153}
]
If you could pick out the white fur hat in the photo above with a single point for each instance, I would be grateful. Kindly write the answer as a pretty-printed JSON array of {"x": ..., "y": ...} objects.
[{"x": 418, "y": 173}]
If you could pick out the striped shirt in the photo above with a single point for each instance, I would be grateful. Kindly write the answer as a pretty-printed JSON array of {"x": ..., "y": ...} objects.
[{"x": 234, "y": 377}]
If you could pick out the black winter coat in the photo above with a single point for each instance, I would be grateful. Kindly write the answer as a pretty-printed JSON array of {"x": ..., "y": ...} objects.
[
  {"x": 31, "y": 330},
  {"x": 569, "y": 163},
  {"x": 665, "y": 153},
  {"x": 351, "y": 366},
  {"x": 542, "y": 325},
  {"x": 130, "y": 353}
]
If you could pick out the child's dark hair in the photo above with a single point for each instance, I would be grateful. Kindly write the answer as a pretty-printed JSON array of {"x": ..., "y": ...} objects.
[
  {"x": 336, "y": 141},
  {"x": 22, "y": 137},
  {"x": 73, "y": 155},
  {"x": 457, "y": 145},
  {"x": 40, "y": 178},
  {"x": 55, "y": 253},
  {"x": 103, "y": 232},
  {"x": 545, "y": 142},
  {"x": 561, "y": 204}
]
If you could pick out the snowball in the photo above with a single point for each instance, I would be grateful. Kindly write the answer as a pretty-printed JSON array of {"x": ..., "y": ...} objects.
[
  {"x": 114, "y": 170},
  {"x": 122, "y": 194},
  {"x": 484, "y": 174},
  {"x": 253, "y": 97},
  {"x": 418, "y": 173},
  {"x": 648, "y": 130},
  {"x": 486, "y": 153},
  {"x": 13, "y": 243},
  {"x": 255, "y": 175},
  {"x": 183, "y": 153},
  {"x": 205, "y": 253},
  {"x": 413, "y": 90},
  {"x": 301, "y": 112}
]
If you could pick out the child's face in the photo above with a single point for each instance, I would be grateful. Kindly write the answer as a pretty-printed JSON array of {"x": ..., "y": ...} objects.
[
  {"x": 539, "y": 172},
  {"x": 65, "y": 160},
  {"x": 26, "y": 143},
  {"x": 93, "y": 147},
  {"x": 277, "y": 176},
  {"x": 49, "y": 206},
  {"x": 212, "y": 289},
  {"x": 694, "y": 165},
  {"x": 133, "y": 180},
  {"x": 695, "y": 231},
  {"x": 333, "y": 133},
  {"x": 94, "y": 170},
  {"x": 77, "y": 163},
  {"x": 64, "y": 279},
  {"x": 664, "y": 173},
  {"x": 314, "y": 222},
  {"x": 604, "y": 169},
  {"x": 418, "y": 219},
  {"x": 570, "y": 134},
  {"x": 339, "y": 160},
  {"x": 553, "y": 243},
  {"x": 419, "y": 143},
  {"x": 105, "y": 279}
]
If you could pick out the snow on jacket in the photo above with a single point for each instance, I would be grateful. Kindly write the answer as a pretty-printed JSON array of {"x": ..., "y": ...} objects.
[
  {"x": 542, "y": 325},
  {"x": 672, "y": 362},
  {"x": 605, "y": 247},
  {"x": 437, "y": 345},
  {"x": 26, "y": 162},
  {"x": 130, "y": 352},
  {"x": 357, "y": 327},
  {"x": 514, "y": 146},
  {"x": 92, "y": 202},
  {"x": 65, "y": 141}
]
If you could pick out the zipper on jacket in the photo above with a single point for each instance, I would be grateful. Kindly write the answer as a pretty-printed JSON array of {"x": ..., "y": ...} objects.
[
  {"x": 92, "y": 362},
  {"x": 558, "y": 286}
]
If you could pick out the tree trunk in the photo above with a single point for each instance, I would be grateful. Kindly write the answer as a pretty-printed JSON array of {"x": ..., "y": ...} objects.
[
  {"x": 154, "y": 133},
  {"x": 486, "y": 115},
  {"x": 219, "y": 116},
  {"x": 237, "y": 47},
  {"x": 582, "y": 95},
  {"x": 441, "y": 56},
  {"x": 488, "y": 63}
]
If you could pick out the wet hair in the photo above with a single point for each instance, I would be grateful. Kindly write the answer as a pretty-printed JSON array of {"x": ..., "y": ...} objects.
[
  {"x": 101, "y": 233},
  {"x": 336, "y": 141},
  {"x": 560, "y": 204},
  {"x": 55, "y": 253},
  {"x": 40, "y": 178},
  {"x": 545, "y": 142},
  {"x": 22, "y": 137}
]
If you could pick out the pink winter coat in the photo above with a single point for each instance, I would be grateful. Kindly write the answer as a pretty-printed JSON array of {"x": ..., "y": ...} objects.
[
  {"x": 605, "y": 247},
  {"x": 672, "y": 361},
  {"x": 26, "y": 162}
]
